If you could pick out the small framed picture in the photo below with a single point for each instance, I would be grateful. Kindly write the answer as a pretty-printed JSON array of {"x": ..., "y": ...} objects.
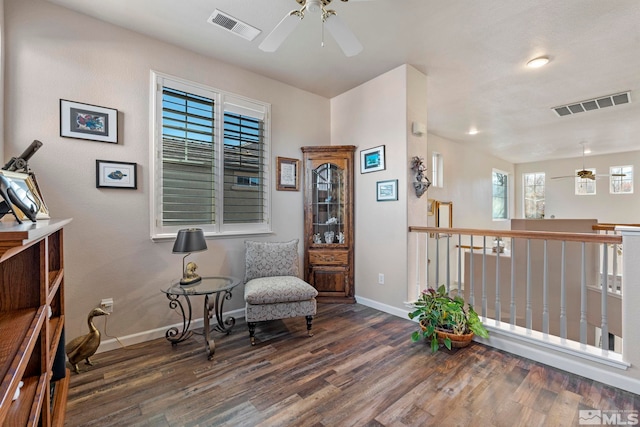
[
  {"x": 116, "y": 174},
  {"x": 288, "y": 171},
  {"x": 387, "y": 190},
  {"x": 372, "y": 160},
  {"x": 85, "y": 121}
]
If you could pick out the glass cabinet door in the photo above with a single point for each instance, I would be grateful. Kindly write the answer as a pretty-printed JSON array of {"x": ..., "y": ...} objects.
[{"x": 328, "y": 204}]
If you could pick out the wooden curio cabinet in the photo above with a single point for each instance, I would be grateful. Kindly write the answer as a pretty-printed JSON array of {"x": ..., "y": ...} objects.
[{"x": 328, "y": 222}]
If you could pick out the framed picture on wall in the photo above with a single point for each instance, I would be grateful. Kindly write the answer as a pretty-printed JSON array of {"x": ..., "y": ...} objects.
[
  {"x": 116, "y": 174},
  {"x": 387, "y": 191},
  {"x": 85, "y": 121},
  {"x": 372, "y": 159},
  {"x": 288, "y": 171}
]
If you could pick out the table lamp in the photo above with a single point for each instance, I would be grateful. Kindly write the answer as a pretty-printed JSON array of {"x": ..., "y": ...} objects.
[{"x": 187, "y": 241}]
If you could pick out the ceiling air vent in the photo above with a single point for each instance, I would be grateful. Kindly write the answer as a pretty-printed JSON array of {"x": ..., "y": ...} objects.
[
  {"x": 593, "y": 104},
  {"x": 233, "y": 25}
]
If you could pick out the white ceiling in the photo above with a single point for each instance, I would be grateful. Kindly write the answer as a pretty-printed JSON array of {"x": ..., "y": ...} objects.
[{"x": 473, "y": 52}]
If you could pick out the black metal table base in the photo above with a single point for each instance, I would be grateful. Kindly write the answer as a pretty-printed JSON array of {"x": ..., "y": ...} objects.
[{"x": 213, "y": 309}]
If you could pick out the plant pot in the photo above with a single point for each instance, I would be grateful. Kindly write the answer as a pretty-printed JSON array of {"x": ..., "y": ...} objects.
[{"x": 457, "y": 341}]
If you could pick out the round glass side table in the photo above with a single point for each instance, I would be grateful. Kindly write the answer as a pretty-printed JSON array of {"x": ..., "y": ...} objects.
[{"x": 216, "y": 290}]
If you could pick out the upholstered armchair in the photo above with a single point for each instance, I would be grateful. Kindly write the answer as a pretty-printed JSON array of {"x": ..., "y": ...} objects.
[{"x": 272, "y": 287}]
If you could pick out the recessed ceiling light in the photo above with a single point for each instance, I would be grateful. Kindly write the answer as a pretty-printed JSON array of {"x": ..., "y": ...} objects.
[
  {"x": 538, "y": 62},
  {"x": 473, "y": 131}
]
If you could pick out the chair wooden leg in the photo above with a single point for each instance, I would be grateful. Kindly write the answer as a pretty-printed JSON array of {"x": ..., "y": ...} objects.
[
  {"x": 252, "y": 332},
  {"x": 309, "y": 320}
]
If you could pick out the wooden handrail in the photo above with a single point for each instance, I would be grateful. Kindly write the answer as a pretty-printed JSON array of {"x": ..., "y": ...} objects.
[
  {"x": 610, "y": 227},
  {"x": 535, "y": 235}
]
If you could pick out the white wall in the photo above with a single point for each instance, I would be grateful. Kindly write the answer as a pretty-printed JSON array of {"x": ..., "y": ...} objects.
[
  {"x": 467, "y": 183},
  {"x": 372, "y": 114},
  {"x": 560, "y": 197},
  {"x": 54, "y": 53}
]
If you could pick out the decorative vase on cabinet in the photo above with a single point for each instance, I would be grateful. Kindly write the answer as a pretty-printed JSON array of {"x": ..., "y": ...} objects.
[{"x": 328, "y": 222}]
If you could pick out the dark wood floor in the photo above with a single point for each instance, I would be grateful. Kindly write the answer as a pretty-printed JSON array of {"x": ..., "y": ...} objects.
[{"x": 360, "y": 369}]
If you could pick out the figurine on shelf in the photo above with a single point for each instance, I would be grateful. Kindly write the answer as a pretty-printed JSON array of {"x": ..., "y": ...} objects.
[
  {"x": 316, "y": 238},
  {"x": 341, "y": 237},
  {"x": 328, "y": 236},
  {"x": 332, "y": 220}
]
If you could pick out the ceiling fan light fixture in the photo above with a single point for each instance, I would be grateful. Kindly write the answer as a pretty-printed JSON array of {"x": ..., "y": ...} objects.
[
  {"x": 538, "y": 62},
  {"x": 314, "y": 6}
]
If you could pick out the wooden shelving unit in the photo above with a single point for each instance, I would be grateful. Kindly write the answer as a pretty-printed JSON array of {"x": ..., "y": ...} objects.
[{"x": 31, "y": 323}]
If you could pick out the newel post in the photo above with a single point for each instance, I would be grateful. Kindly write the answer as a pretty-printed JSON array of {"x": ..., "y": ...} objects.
[{"x": 631, "y": 296}]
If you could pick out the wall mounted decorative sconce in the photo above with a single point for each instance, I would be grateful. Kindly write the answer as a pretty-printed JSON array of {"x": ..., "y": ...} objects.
[{"x": 422, "y": 183}]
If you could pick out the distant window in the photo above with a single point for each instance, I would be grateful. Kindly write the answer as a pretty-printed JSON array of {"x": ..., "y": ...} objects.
[
  {"x": 621, "y": 179},
  {"x": 500, "y": 195},
  {"x": 585, "y": 186},
  {"x": 247, "y": 181},
  {"x": 533, "y": 190},
  {"x": 437, "y": 177}
]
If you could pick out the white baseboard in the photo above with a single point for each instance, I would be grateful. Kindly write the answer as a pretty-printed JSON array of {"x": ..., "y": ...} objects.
[
  {"x": 383, "y": 307},
  {"x": 577, "y": 364},
  {"x": 127, "y": 340}
]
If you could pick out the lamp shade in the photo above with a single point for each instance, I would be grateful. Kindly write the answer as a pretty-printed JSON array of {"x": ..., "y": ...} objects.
[{"x": 189, "y": 240}]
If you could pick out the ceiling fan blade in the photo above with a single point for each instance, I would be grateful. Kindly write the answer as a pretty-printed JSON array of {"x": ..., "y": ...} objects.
[
  {"x": 345, "y": 38},
  {"x": 272, "y": 42},
  {"x": 562, "y": 177}
]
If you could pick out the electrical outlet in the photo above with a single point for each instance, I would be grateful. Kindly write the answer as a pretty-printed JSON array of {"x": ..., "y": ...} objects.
[
  {"x": 380, "y": 279},
  {"x": 107, "y": 305}
]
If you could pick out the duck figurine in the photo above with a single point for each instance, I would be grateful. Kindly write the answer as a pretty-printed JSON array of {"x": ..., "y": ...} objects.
[{"x": 85, "y": 346}]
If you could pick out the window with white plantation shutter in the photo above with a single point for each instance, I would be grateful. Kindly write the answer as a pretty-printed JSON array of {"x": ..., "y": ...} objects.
[
  {"x": 210, "y": 164},
  {"x": 188, "y": 159},
  {"x": 243, "y": 154}
]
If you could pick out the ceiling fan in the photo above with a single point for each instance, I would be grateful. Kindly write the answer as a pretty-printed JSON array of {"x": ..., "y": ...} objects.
[
  {"x": 585, "y": 173},
  {"x": 347, "y": 41}
]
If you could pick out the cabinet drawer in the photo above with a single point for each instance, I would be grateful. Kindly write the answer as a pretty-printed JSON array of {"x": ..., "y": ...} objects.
[{"x": 328, "y": 257}]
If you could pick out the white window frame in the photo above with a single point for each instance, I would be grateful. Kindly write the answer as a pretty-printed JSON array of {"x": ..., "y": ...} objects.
[
  {"x": 616, "y": 170},
  {"x": 224, "y": 102},
  {"x": 583, "y": 184},
  {"x": 507, "y": 195},
  {"x": 524, "y": 191}
]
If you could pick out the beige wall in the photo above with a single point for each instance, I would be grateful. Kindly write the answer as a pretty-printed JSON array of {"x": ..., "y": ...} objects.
[
  {"x": 377, "y": 113},
  {"x": 560, "y": 198},
  {"x": 54, "y": 53},
  {"x": 467, "y": 183}
]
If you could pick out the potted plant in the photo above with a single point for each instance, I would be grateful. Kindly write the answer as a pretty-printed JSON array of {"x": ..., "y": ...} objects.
[{"x": 445, "y": 320}]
